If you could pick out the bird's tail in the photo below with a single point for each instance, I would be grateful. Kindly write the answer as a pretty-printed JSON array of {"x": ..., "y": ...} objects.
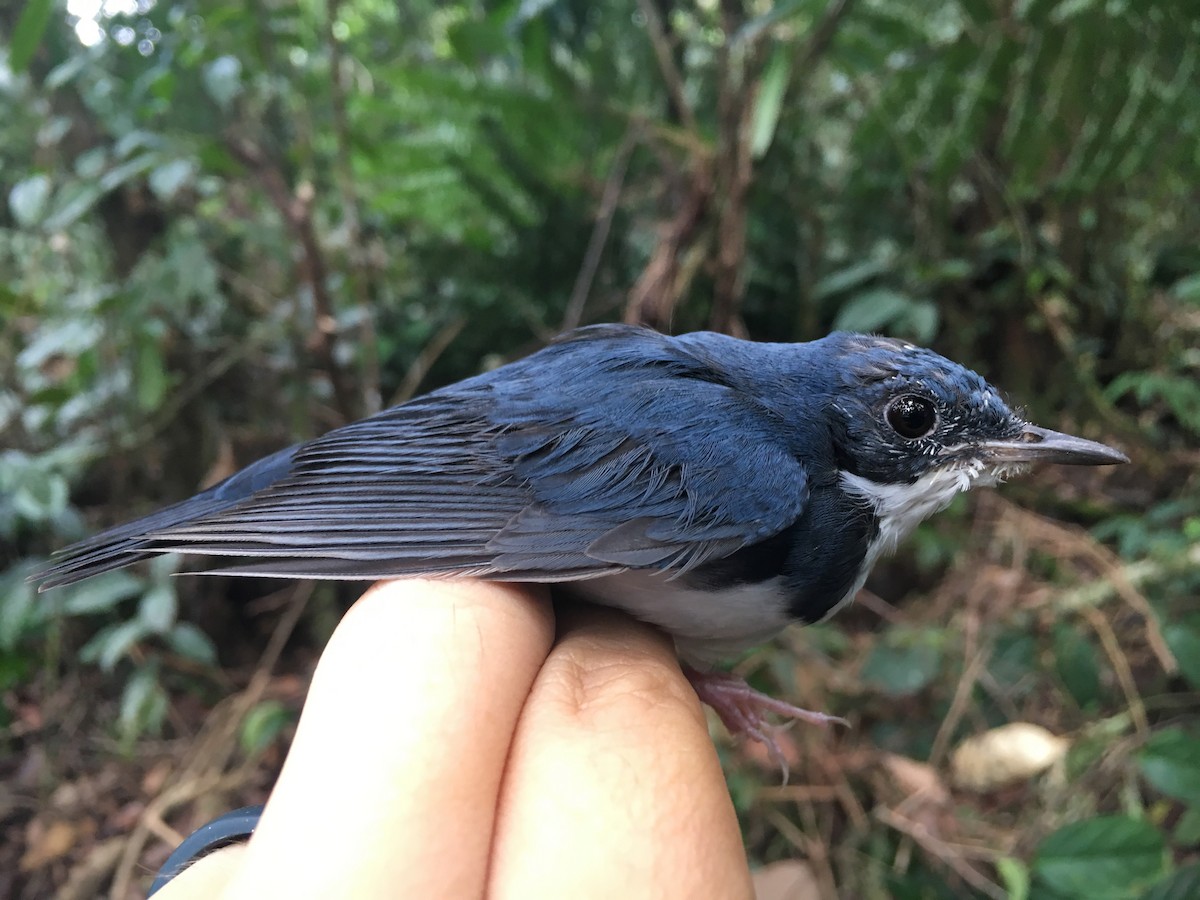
[{"x": 134, "y": 541}]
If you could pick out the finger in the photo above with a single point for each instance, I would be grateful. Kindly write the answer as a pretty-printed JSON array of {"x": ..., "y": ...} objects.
[
  {"x": 391, "y": 784},
  {"x": 613, "y": 788},
  {"x": 207, "y": 877}
]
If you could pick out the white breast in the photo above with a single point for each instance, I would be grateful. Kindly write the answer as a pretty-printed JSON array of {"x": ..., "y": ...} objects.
[
  {"x": 708, "y": 626},
  {"x": 712, "y": 626}
]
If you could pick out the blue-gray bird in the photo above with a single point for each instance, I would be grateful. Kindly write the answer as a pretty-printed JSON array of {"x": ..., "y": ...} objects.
[{"x": 714, "y": 487}]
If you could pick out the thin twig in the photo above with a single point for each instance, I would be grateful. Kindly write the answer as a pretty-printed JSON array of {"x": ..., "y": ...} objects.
[
  {"x": 203, "y": 771},
  {"x": 734, "y": 170},
  {"x": 1053, "y": 309},
  {"x": 958, "y": 706},
  {"x": 344, "y": 173},
  {"x": 1119, "y": 577},
  {"x": 657, "y": 290},
  {"x": 429, "y": 354},
  {"x": 822, "y": 35},
  {"x": 84, "y": 881},
  {"x": 295, "y": 208},
  {"x": 939, "y": 849},
  {"x": 813, "y": 849},
  {"x": 666, "y": 64},
  {"x": 609, "y": 199},
  {"x": 1120, "y": 664},
  {"x": 872, "y": 602}
]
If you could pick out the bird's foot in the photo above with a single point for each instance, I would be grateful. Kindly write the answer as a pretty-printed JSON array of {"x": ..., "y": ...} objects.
[{"x": 743, "y": 710}]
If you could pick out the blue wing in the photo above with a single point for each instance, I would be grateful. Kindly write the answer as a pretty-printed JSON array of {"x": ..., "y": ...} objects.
[{"x": 614, "y": 449}]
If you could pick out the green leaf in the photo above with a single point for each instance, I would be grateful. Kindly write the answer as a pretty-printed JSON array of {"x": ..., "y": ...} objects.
[
  {"x": 1075, "y": 659},
  {"x": 40, "y": 495},
  {"x": 476, "y": 42},
  {"x": 158, "y": 608},
  {"x": 14, "y": 670},
  {"x": 127, "y": 171},
  {"x": 849, "y": 278},
  {"x": 153, "y": 382},
  {"x": 1104, "y": 857},
  {"x": 1170, "y": 761},
  {"x": 872, "y": 309},
  {"x": 904, "y": 662},
  {"x": 262, "y": 725},
  {"x": 1184, "y": 884},
  {"x": 163, "y": 566},
  {"x": 883, "y": 309},
  {"x": 1013, "y": 662},
  {"x": 769, "y": 102},
  {"x": 979, "y": 11},
  {"x": 188, "y": 640},
  {"x": 66, "y": 70},
  {"x": 91, "y": 163},
  {"x": 112, "y": 643},
  {"x": 101, "y": 593},
  {"x": 138, "y": 139},
  {"x": 16, "y": 599},
  {"x": 71, "y": 203},
  {"x": 922, "y": 321},
  {"x": 1184, "y": 641},
  {"x": 1187, "y": 288},
  {"x": 1186, "y": 832},
  {"x": 167, "y": 180},
  {"x": 27, "y": 35},
  {"x": 143, "y": 705},
  {"x": 1015, "y": 875},
  {"x": 27, "y": 199},
  {"x": 223, "y": 80}
]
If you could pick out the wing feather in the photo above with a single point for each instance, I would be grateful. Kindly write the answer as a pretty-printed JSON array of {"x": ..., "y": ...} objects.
[{"x": 529, "y": 473}]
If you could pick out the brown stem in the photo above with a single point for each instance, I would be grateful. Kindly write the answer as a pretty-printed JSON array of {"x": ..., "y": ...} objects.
[
  {"x": 666, "y": 64},
  {"x": 658, "y": 289},
  {"x": 822, "y": 34},
  {"x": 734, "y": 169},
  {"x": 429, "y": 354},
  {"x": 296, "y": 210}
]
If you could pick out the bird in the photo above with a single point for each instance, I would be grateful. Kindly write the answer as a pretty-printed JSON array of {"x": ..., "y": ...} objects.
[{"x": 717, "y": 488}]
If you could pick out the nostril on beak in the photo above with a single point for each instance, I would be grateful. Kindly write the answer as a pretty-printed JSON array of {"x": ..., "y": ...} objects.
[{"x": 1035, "y": 444}]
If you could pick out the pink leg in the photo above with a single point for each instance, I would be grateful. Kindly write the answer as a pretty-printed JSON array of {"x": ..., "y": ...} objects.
[{"x": 744, "y": 710}]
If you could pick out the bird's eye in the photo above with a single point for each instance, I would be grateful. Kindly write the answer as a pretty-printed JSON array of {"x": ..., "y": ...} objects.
[{"x": 911, "y": 417}]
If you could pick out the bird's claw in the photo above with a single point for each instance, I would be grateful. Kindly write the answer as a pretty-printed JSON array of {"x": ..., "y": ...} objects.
[{"x": 743, "y": 710}]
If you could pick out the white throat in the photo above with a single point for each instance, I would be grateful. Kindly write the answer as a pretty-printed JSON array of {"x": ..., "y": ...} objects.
[{"x": 901, "y": 507}]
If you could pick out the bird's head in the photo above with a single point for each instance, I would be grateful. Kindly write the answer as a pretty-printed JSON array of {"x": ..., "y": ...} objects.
[{"x": 912, "y": 428}]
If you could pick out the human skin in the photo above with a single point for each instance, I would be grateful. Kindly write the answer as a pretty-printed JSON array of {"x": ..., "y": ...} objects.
[{"x": 466, "y": 739}]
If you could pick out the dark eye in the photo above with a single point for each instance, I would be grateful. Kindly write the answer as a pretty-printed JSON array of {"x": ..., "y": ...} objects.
[{"x": 911, "y": 417}]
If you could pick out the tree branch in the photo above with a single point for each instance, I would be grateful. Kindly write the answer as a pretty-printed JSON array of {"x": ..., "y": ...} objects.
[{"x": 666, "y": 64}]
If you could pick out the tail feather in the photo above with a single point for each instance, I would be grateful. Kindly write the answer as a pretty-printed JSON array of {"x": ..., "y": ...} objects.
[{"x": 133, "y": 542}]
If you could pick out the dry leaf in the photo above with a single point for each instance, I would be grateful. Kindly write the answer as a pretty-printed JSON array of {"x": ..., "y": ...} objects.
[
  {"x": 1004, "y": 755},
  {"x": 789, "y": 879},
  {"x": 916, "y": 780},
  {"x": 48, "y": 844}
]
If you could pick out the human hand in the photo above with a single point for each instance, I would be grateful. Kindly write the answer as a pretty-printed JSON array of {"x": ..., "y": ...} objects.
[{"x": 453, "y": 745}]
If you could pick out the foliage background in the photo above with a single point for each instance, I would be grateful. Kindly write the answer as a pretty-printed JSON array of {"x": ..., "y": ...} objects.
[{"x": 230, "y": 226}]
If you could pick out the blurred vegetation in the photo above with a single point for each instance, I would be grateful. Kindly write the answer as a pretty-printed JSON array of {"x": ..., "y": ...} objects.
[{"x": 230, "y": 226}]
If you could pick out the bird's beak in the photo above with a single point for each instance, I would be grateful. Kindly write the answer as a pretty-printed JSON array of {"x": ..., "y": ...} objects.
[{"x": 1036, "y": 444}]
